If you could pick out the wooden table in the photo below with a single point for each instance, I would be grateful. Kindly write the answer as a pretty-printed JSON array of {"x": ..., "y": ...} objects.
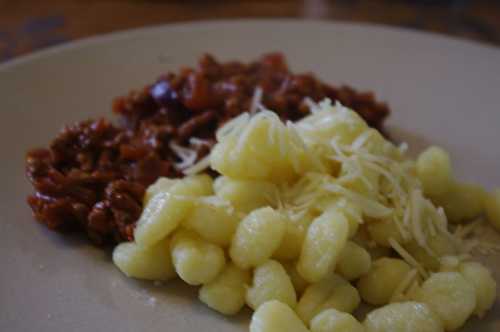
[{"x": 26, "y": 26}]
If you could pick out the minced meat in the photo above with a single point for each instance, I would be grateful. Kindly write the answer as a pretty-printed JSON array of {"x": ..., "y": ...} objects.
[{"x": 93, "y": 175}]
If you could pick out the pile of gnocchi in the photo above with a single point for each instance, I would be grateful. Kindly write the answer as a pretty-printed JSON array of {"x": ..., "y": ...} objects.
[{"x": 308, "y": 220}]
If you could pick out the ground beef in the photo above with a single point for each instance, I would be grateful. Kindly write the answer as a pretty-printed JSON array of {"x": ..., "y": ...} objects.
[{"x": 93, "y": 175}]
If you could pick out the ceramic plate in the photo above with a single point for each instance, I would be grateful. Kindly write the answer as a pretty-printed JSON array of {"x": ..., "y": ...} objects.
[{"x": 441, "y": 90}]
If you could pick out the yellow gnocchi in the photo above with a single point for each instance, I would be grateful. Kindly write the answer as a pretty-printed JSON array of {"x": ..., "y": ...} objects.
[
  {"x": 271, "y": 282},
  {"x": 332, "y": 320},
  {"x": 403, "y": 317},
  {"x": 347, "y": 208},
  {"x": 378, "y": 285},
  {"x": 263, "y": 150},
  {"x": 161, "y": 185},
  {"x": 213, "y": 223},
  {"x": 331, "y": 123},
  {"x": 382, "y": 230},
  {"x": 257, "y": 237},
  {"x": 450, "y": 296},
  {"x": 195, "y": 260},
  {"x": 354, "y": 261},
  {"x": 484, "y": 284},
  {"x": 151, "y": 263},
  {"x": 331, "y": 292},
  {"x": 246, "y": 195},
  {"x": 325, "y": 239},
  {"x": 434, "y": 171},
  {"x": 226, "y": 293},
  {"x": 274, "y": 316},
  {"x": 165, "y": 210},
  {"x": 462, "y": 202}
]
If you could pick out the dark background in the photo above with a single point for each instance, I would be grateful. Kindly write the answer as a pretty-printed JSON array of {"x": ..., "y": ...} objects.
[{"x": 28, "y": 25}]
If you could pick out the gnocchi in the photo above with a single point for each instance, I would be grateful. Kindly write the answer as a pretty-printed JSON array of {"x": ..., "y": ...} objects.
[
  {"x": 434, "y": 171},
  {"x": 165, "y": 210},
  {"x": 484, "y": 284},
  {"x": 213, "y": 223},
  {"x": 274, "y": 316},
  {"x": 332, "y": 292},
  {"x": 382, "y": 230},
  {"x": 226, "y": 293},
  {"x": 354, "y": 261},
  {"x": 377, "y": 286},
  {"x": 462, "y": 202},
  {"x": 151, "y": 263},
  {"x": 303, "y": 209},
  {"x": 403, "y": 317},
  {"x": 271, "y": 282},
  {"x": 246, "y": 195},
  {"x": 257, "y": 237},
  {"x": 450, "y": 296},
  {"x": 263, "y": 150},
  {"x": 332, "y": 320},
  {"x": 325, "y": 239},
  {"x": 195, "y": 260}
]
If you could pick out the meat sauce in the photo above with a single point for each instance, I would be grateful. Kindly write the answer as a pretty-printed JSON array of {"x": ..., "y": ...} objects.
[{"x": 93, "y": 176}]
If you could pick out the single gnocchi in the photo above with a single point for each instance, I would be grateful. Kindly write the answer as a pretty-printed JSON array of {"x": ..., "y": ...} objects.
[
  {"x": 463, "y": 202},
  {"x": 213, "y": 223},
  {"x": 434, "y": 171},
  {"x": 484, "y": 284},
  {"x": 331, "y": 292},
  {"x": 226, "y": 293},
  {"x": 246, "y": 195},
  {"x": 161, "y": 185},
  {"x": 195, "y": 260},
  {"x": 257, "y": 237},
  {"x": 151, "y": 263},
  {"x": 382, "y": 230},
  {"x": 403, "y": 317},
  {"x": 165, "y": 210},
  {"x": 378, "y": 285},
  {"x": 450, "y": 296},
  {"x": 354, "y": 261},
  {"x": 332, "y": 320},
  {"x": 325, "y": 240},
  {"x": 274, "y": 316},
  {"x": 271, "y": 282}
]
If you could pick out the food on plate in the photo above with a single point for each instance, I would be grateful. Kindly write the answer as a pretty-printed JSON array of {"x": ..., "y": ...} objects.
[
  {"x": 271, "y": 282},
  {"x": 308, "y": 219},
  {"x": 93, "y": 175},
  {"x": 450, "y": 296},
  {"x": 332, "y": 320},
  {"x": 274, "y": 316},
  {"x": 401, "y": 317}
]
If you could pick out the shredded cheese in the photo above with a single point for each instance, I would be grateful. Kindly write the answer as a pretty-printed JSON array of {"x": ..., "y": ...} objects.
[
  {"x": 187, "y": 156},
  {"x": 408, "y": 257}
]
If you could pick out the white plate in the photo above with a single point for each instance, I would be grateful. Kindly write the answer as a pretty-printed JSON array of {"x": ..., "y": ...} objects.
[{"x": 441, "y": 90}]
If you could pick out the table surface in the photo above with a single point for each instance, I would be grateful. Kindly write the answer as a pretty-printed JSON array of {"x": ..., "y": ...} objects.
[{"x": 28, "y": 25}]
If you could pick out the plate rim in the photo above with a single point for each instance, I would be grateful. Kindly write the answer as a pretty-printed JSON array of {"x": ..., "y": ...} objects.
[{"x": 93, "y": 40}]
